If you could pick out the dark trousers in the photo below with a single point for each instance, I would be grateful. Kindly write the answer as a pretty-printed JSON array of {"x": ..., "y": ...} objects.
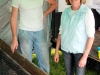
[{"x": 71, "y": 64}]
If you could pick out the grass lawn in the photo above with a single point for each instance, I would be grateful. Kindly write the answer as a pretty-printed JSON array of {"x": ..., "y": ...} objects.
[{"x": 59, "y": 68}]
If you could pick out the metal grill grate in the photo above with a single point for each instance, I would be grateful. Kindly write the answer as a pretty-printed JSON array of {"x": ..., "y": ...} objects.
[{"x": 9, "y": 67}]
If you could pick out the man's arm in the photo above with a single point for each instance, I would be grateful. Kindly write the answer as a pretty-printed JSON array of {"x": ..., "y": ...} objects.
[
  {"x": 53, "y": 5},
  {"x": 13, "y": 22}
]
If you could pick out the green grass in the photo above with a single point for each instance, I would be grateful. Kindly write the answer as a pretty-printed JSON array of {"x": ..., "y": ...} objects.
[{"x": 59, "y": 68}]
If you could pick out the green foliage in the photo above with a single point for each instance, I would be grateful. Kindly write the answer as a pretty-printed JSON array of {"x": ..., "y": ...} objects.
[{"x": 57, "y": 68}]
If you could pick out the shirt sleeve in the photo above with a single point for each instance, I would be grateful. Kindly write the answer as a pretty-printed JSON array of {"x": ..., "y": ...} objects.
[
  {"x": 60, "y": 29},
  {"x": 15, "y": 3},
  {"x": 90, "y": 23}
]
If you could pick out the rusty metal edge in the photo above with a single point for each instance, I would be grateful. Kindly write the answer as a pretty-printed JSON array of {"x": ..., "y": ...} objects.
[{"x": 28, "y": 66}]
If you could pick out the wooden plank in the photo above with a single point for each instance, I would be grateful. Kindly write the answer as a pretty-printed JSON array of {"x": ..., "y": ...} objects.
[
  {"x": 94, "y": 52},
  {"x": 94, "y": 58},
  {"x": 28, "y": 66}
]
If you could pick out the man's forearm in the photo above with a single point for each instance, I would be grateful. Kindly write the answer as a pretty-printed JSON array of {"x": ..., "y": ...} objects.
[
  {"x": 13, "y": 28},
  {"x": 13, "y": 22}
]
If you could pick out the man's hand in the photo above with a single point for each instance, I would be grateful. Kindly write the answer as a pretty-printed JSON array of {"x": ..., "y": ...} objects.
[{"x": 14, "y": 45}]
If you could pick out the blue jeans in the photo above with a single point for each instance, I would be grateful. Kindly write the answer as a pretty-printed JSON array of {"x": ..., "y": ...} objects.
[
  {"x": 71, "y": 63},
  {"x": 36, "y": 39}
]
